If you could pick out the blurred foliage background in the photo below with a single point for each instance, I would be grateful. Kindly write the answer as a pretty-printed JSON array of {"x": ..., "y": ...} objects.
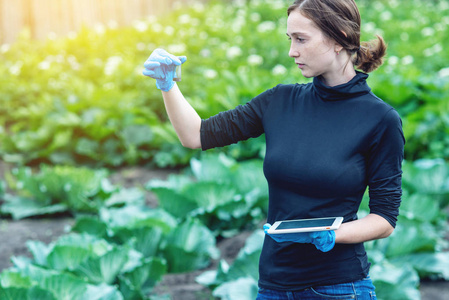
[
  {"x": 74, "y": 104},
  {"x": 82, "y": 99}
]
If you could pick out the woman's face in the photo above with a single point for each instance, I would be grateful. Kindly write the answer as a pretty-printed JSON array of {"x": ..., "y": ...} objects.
[{"x": 313, "y": 53}]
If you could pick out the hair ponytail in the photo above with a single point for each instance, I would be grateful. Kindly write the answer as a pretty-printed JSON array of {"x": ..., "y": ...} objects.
[{"x": 370, "y": 55}]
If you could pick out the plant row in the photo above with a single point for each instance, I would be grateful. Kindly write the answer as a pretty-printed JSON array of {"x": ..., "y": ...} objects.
[
  {"x": 119, "y": 247},
  {"x": 83, "y": 99}
]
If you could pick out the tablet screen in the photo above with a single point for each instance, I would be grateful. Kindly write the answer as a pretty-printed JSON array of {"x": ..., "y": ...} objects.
[{"x": 306, "y": 223}]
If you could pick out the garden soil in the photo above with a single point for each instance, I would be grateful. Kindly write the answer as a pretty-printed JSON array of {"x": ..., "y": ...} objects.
[{"x": 14, "y": 234}]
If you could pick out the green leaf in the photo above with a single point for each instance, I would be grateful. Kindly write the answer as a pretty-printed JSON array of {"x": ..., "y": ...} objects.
[
  {"x": 410, "y": 237},
  {"x": 20, "y": 207},
  {"x": 137, "y": 135},
  {"x": 95, "y": 245},
  {"x": 67, "y": 257},
  {"x": 246, "y": 264},
  {"x": 64, "y": 287},
  {"x": 40, "y": 251},
  {"x": 190, "y": 246},
  {"x": 132, "y": 216},
  {"x": 14, "y": 279},
  {"x": 249, "y": 176},
  {"x": 143, "y": 278},
  {"x": 90, "y": 225},
  {"x": 174, "y": 203},
  {"x": 395, "y": 282},
  {"x": 33, "y": 293},
  {"x": 209, "y": 195},
  {"x": 242, "y": 289},
  {"x": 427, "y": 176},
  {"x": 427, "y": 264},
  {"x": 131, "y": 196},
  {"x": 147, "y": 240},
  {"x": 421, "y": 207},
  {"x": 103, "y": 269},
  {"x": 102, "y": 292},
  {"x": 212, "y": 167}
]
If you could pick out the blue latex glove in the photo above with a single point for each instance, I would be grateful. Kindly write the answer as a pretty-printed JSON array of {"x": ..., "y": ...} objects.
[
  {"x": 161, "y": 66},
  {"x": 323, "y": 240}
]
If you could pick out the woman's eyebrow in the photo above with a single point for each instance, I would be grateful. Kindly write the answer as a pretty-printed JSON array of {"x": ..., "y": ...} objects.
[{"x": 295, "y": 34}]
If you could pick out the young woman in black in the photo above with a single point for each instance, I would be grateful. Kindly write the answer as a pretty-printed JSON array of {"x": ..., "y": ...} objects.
[{"x": 327, "y": 141}]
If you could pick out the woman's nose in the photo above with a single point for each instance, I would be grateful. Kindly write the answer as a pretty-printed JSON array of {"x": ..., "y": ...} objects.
[{"x": 293, "y": 52}]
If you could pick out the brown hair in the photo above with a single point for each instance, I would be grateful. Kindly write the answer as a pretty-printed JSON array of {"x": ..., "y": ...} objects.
[{"x": 340, "y": 21}]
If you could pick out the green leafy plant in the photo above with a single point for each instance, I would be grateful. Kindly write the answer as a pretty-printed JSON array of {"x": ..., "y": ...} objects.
[
  {"x": 81, "y": 266},
  {"x": 225, "y": 195},
  {"x": 56, "y": 189}
]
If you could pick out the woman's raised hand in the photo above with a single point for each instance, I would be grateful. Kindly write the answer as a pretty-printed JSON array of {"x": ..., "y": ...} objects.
[{"x": 161, "y": 66}]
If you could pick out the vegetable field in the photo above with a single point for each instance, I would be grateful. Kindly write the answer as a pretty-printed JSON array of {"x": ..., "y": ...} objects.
[{"x": 77, "y": 119}]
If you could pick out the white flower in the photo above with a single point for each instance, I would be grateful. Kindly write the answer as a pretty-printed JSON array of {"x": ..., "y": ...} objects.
[
  {"x": 157, "y": 27},
  {"x": 233, "y": 52},
  {"x": 277, "y": 4},
  {"x": 99, "y": 28},
  {"x": 141, "y": 46},
  {"x": 140, "y": 26},
  {"x": 370, "y": 27},
  {"x": 45, "y": 65},
  {"x": 428, "y": 31},
  {"x": 445, "y": 20},
  {"x": 407, "y": 60},
  {"x": 279, "y": 70},
  {"x": 198, "y": 6},
  {"x": 210, "y": 74},
  {"x": 266, "y": 26},
  {"x": 177, "y": 48},
  {"x": 393, "y": 60},
  {"x": 238, "y": 24},
  {"x": 255, "y": 60},
  {"x": 169, "y": 30},
  {"x": 255, "y": 17},
  {"x": 112, "y": 64},
  {"x": 184, "y": 19},
  {"x": 16, "y": 68},
  {"x": 4, "y": 48},
  {"x": 205, "y": 53},
  {"x": 444, "y": 72},
  {"x": 73, "y": 62},
  {"x": 386, "y": 15},
  {"x": 433, "y": 50}
]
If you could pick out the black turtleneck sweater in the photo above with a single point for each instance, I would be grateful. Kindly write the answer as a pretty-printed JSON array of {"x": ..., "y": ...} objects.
[{"x": 324, "y": 146}]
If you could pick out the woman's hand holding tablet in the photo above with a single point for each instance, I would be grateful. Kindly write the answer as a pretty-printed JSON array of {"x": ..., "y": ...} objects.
[
  {"x": 319, "y": 232},
  {"x": 306, "y": 225}
]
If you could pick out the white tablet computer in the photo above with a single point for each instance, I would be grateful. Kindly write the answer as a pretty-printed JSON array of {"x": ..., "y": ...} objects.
[{"x": 305, "y": 225}]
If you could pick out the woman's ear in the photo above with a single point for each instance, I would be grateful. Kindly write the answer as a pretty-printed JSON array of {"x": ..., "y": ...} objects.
[{"x": 338, "y": 48}]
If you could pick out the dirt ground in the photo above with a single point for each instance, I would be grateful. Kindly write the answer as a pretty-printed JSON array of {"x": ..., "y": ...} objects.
[{"x": 14, "y": 234}]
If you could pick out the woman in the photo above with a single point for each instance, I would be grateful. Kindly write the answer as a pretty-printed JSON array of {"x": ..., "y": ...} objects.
[{"x": 326, "y": 142}]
